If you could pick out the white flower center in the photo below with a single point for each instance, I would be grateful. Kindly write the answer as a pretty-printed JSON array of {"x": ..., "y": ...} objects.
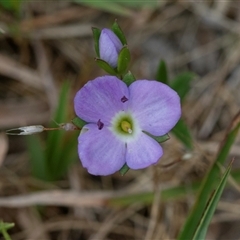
[{"x": 125, "y": 127}]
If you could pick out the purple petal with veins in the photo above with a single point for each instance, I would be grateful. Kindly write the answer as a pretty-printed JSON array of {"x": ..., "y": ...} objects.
[{"x": 147, "y": 105}]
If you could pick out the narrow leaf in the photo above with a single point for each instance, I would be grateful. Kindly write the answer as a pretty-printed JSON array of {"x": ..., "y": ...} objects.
[
  {"x": 182, "y": 132},
  {"x": 211, "y": 206},
  {"x": 105, "y": 66},
  {"x": 140, "y": 4},
  {"x": 38, "y": 160},
  {"x": 118, "y": 31},
  {"x": 3, "y": 229},
  {"x": 123, "y": 60},
  {"x": 209, "y": 181},
  {"x": 6, "y": 226},
  {"x": 69, "y": 154},
  {"x": 96, "y": 36},
  {"x": 162, "y": 74},
  {"x": 55, "y": 138},
  {"x": 181, "y": 83},
  {"x": 170, "y": 194},
  {"x": 111, "y": 7}
]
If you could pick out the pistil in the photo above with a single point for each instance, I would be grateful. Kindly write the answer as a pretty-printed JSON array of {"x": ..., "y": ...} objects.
[{"x": 126, "y": 127}]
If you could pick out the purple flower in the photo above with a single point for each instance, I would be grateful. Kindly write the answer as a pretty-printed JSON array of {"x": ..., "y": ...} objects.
[
  {"x": 109, "y": 47},
  {"x": 117, "y": 118}
]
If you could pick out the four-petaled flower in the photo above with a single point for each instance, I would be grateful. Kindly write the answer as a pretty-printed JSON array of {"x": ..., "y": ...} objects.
[
  {"x": 118, "y": 118},
  {"x": 109, "y": 47}
]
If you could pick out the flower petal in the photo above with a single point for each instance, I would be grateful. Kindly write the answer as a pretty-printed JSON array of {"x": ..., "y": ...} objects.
[
  {"x": 155, "y": 105},
  {"x": 109, "y": 47},
  {"x": 101, "y": 99},
  {"x": 99, "y": 151},
  {"x": 143, "y": 152}
]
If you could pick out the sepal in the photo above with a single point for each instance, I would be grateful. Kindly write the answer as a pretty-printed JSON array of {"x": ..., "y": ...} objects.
[
  {"x": 78, "y": 122},
  {"x": 129, "y": 78},
  {"x": 159, "y": 139},
  {"x": 124, "y": 169},
  {"x": 124, "y": 58},
  {"x": 105, "y": 66},
  {"x": 96, "y": 35},
  {"x": 118, "y": 31}
]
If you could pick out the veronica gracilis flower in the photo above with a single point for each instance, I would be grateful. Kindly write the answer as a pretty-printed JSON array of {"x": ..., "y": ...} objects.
[{"x": 118, "y": 118}]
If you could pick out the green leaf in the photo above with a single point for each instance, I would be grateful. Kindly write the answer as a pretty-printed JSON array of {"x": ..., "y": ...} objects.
[
  {"x": 169, "y": 194},
  {"x": 96, "y": 36},
  {"x": 201, "y": 230},
  {"x": 55, "y": 138},
  {"x": 209, "y": 181},
  {"x": 159, "y": 139},
  {"x": 181, "y": 83},
  {"x": 118, "y": 31},
  {"x": 123, "y": 60},
  {"x": 69, "y": 153},
  {"x": 107, "y": 6},
  {"x": 11, "y": 5},
  {"x": 50, "y": 162},
  {"x": 182, "y": 132},
  {"x": 140, "y": 4},
  {"x": 162, "y": 75},
  {"x": 124, "y": 169},
  {"x": 38, "y": 160},
  {"x": 79, "y": 122},
  {"x": 105, "y": 66},
  {"x": 129, "y": 78},
  {"x": 6, "y": 226},
  {"x": 3, "y": 229}
]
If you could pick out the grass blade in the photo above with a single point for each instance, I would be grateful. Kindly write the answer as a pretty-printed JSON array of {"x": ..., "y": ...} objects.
[
  {"x": 169, "y": 194},
  {"x": 3, "y": 229},
  {"x": 162, "y": 74},
  {"x": 109, "y": 6},
  {"x": 38, "y": 159},
  {"x": 69, "y": 154},
  {"x": 54, "y": 141},
  {"x": 182, "y": 132},
  {"x": 209, "y": 182},
  {"x": 181, "y": 83},
  {"x": 211, "y": 206}
]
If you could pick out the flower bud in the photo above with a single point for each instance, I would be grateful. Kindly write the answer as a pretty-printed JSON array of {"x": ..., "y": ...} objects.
[
  {"x": 28, "y": 130},
  {"x": 109, "y": 47}
]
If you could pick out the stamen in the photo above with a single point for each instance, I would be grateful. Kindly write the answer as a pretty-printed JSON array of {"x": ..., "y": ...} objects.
[
  {"x": 124, "y": 99},
  {"x": 100, "y": 124},
  {"x": 129, "y": 130}
]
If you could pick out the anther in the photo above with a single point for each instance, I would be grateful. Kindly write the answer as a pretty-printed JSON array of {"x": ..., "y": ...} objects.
[
  {"x": 100, "y": 124},
  {"x": 124, "y": 99}
]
